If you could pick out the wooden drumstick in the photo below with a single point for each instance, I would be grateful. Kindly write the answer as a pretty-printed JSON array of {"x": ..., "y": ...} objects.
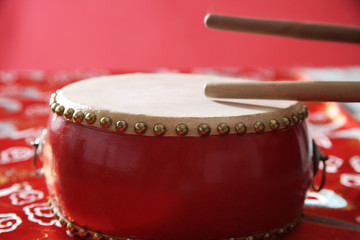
[
  {"x": 287, "y": 90},
  {"x": 303, "y": 30}
]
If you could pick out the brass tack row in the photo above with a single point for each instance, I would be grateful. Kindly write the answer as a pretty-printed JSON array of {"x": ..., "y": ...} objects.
[
  {"x": 85, "y": 233},
  {"x": 78, "y": 230},
  {"x": 181, "y": 129},
  {"x": 273, "y": 234}
]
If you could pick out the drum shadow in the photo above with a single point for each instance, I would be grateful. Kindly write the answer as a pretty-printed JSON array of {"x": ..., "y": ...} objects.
[{"x": 247, "y": 105}]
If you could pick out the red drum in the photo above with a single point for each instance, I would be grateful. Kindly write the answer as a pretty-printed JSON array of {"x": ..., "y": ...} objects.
[{"x": 148, "y": 156}]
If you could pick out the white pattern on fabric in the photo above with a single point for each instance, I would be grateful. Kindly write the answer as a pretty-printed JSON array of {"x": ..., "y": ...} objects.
[
  {"x": 7, "y": 191},
  {"x": 37, "y": 110},
  {"x": 332, "y": 164},
  {"x": 323, "y": 132},
  {"x": 15, "y": 154},
  {"x": 11, "y": 105},
  {"x": 350, "y": 180},
  {"x": 355, "y": 163},
  {"x": 41, "y": 214},
  {"x": 26, "y": 196},
  {"x": 14, "y": 134},
  {"x": 326, "y": 198},
  {"x": 351, "y": 133},
  {"x": 21, "y": 194},
  {"x": 9, "y": 222}
]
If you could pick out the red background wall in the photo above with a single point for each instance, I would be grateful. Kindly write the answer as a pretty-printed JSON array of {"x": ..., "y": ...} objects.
[{"x": 115, "y": 34}]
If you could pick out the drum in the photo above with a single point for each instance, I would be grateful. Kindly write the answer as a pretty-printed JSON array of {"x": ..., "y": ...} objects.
[{"x": 148, "y": 156}]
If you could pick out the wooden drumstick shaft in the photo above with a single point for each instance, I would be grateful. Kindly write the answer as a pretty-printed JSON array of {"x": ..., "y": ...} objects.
[
  {"x": 303, "y": 30},
  {"x": 287, "y": 90}
]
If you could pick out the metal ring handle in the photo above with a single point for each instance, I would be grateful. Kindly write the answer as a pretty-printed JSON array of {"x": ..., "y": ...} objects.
[
  {"x": 37, "y": 144},
  {"x": 323, "y": 178},
  {"x": 317, "y": 158}
]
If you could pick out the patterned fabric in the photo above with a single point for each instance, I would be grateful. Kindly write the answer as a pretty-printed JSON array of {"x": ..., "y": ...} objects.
[{"x": 24, "y": 110}]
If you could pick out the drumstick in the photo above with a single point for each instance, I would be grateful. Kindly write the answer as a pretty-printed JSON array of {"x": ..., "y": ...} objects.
[
  {"x": 287, "y": 90},
  {"x": 304, "y": 30}
]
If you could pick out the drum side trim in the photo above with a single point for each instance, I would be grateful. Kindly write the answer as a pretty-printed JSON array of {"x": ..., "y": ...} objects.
[{"x": 87, "y": 233}]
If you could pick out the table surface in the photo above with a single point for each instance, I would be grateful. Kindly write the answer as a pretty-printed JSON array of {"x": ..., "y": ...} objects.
[{"x": 332, "y": 213}]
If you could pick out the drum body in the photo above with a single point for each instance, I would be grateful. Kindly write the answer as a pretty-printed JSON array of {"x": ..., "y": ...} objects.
[{"x": 176, "y": 187}]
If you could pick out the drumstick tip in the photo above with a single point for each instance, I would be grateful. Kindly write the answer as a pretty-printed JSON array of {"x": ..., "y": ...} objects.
[
  {"x": 206, "y": 19},
  {"x": 209, "y": 90}
]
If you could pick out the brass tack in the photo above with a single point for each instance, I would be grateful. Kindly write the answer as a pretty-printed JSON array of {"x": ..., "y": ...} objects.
[
  {"x": 204, "y": 129},
  {"x": 51, "y": 101},
  {"x": 250, "y": 238},
  {"x": 97, "y": 236},
  {"x": 53, "y": 95},
  {"x": 240, "y": 128},
  {"x": 113, "y": 238},
  {"x": 259, "y": 127},
  {"x": 291, "y": 226},
  {"x": 53, "y": 106},
  {"x": 121, "y": 126},
  {"x": 59, "y": 110},
  {"x": 63, "y": 223},
  {"x": 301, "y": 114},
  {"x": 286, "y": 122},
  {"x": 90, "y": 118},
  {"x": 280, "y": 231},
  {"x": 295, "y": 119},
  {"x": 140, "y": 127},
  {"x": 181, "y": 129},
  {"x": 78, "y": 117},
  {"x": 274, "y": 125},
  {"x": 305, "y": 110},
  {"x": 71, "y": 227},
  {"x": 159, "y": 129},
  {"x": 232, "y": 238},
  {"x": 83, "y": 232},
  {"x": 223, "y": 129},
  {"x": 69, "y": 113},
  {"x": 266, "y": 236},
  {"x": 105, "y": 122}
]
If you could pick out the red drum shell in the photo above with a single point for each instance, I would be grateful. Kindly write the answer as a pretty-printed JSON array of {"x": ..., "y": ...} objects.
[{"x": 165, "y": 188}]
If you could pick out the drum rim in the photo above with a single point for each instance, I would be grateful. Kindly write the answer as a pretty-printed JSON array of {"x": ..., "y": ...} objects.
[
  {"x": 153, "y": 125},
  {"x": 163, "y": 126}
]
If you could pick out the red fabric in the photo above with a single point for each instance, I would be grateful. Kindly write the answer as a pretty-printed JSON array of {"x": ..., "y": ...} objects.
[{"x": 24, "y": 213}]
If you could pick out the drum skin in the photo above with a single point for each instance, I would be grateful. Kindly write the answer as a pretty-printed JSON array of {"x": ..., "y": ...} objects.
[{"x": 170, "y": 188}]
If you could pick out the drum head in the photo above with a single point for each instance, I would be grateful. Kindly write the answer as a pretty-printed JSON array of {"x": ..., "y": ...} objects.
[{"x": 170, "y": 105}]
